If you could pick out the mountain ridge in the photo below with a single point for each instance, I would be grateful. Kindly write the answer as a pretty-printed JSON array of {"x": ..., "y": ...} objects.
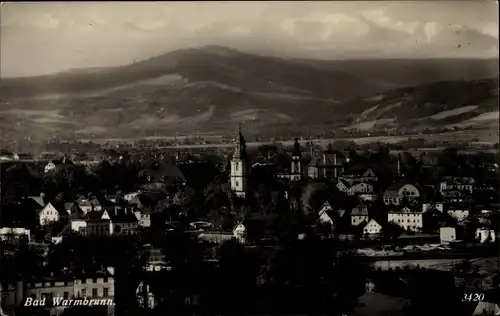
[{"x": 211, "y": 89}]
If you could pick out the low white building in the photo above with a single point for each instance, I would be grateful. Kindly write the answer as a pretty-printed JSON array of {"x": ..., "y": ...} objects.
[
  {"x": 372, "y": 227},
  {"x": 447, "y": 234},
  {"x": 50, "y": 214},
  {"x": 459, "y": 214},
  {"x": 485, "y": 235},
  {"x": 407, "y": 219},
  {"x": 100, "y": 288},
  {"x": 240, "y": 232},
  {"x": 7, "y": 233}
]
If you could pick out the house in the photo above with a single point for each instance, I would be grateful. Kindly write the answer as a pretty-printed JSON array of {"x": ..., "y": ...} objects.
[
  {"x": 97, "y": 285},
  {"x": 329, "y": 165},
  {"x": 77, "y": 219},
  {"x": 240, "y": 233},
  {"x": 359, "y": 214},
  {"x": 372, "y": 227},
  {"x": 85, "y": 205},
  {"x": 457, "y": 189},
  {"x": 130, "y": 196},
  {"x": 8, "y": 233},
  {"x": 433, "y": 206},
  {"x": 121, "y": 219},
  {"x": 407, "y": 218},
  {"x": 330, "y": 215},
  {"x": 460, "y": 184},
  {"x": 363, "y": 175},
  {"x": 156, "y": 260},
  {"x": 95, "y": 225},
  {"x": 447, "y": 234},
  {"x": 143, "y": 217},
  {"x": 50, "y": 213},
  {"x": 162, "y": 172},
  {"x": 400, "y": 190},
  {"x": 56, "y": 163},
  {"x": 485, "y": 235},
  {"x": 486, "y": 308},
  {"x": 459, "y": 213}
]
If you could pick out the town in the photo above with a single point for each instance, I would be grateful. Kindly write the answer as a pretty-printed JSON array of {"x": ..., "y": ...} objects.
[{"x": 266, "y": 229}]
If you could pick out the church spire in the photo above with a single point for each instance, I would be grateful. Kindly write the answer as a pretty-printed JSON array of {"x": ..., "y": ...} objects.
[
  {"x": 240, "y": 145},
  {"x": 296, "y": 152}
]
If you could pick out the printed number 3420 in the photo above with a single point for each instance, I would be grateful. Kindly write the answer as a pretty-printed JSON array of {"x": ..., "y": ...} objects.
[{"x": 473, "y": 297}]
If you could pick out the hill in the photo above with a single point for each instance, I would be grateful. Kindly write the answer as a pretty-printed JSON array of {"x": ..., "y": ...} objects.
[
  {"x": 209, "y": 90},
  {"x": 448, "y": 105}
]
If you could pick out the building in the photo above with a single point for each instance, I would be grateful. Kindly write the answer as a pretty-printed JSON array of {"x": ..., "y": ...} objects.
[
  {"x": 456, "y": 189},
  {"x": 486, "y": 308},
  {"x": 85, "y": 205},
  {"x": 326, "y": 214},
  {"x": 296, "y": 167},
  {"x": 54, "y": 164},
  {"x": 459, "y": 213},
  {"x": 433, "y": 206},
  {"x": 50, "y": 214},
  {"x": 447, "y": 234},
  {"x": 461, "y": 184},
  {"x": 143, "y": 217},
  {"x": 8, "y": 233},
  {"x": 407, "y": 218},
  {"x": 485, "y": 235},
  {"x": 162, "y": 172},
  {"x": 400, "y": 190},
  {"x": 359, "y": 188},
  {"x": 240, "y": 233},
  {"x": 366, "y": 175},
  {"x": 359, "y": 214},
  {"x": 372, "y": 228},
  {"x": 329, "y": 166},
  {"x": 239, "y": 166},
  {"x": 121, "y": 220},
  {"x": 64, "y": 291},
  {"x": 77, "y": 222}
]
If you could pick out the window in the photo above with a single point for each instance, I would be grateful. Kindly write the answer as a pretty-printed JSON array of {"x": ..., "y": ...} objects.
[
  {"x": 237, "y": 184},
  {"x": 84, "y": 281},
  {"x": 66, "y": 295},
  {"x": 105, "y": 279},
  {"x": 84, "y": 292},
  {"x": 105, "y": 292},
  {"x": 94, "y": 280},
  {"x": 94, "y": 292},
  {"x": 237, "y": 166}
]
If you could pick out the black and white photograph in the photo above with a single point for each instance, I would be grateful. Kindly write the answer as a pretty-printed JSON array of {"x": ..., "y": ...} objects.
[{"x": 251, "y": 158}]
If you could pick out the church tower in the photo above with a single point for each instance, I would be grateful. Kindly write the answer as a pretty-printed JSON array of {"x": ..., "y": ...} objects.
[
  {"x": 296, "y": 168},
  {"x": 239, "y": 166}
]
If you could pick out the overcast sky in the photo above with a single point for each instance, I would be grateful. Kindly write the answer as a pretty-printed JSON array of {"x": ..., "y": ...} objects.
[{"x": 42, "y": 38}]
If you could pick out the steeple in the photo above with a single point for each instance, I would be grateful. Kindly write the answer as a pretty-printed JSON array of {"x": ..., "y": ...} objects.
[
  {"x": 240, "y": 151},
  {"x": 239, "y": 168},
  {"x": 296, "y": 149},
  {"x": 296, "y": 167}
]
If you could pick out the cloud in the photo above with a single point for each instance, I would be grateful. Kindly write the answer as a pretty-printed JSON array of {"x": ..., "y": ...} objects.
[
  {"x": 58, "y": 36},
  {"x": 324, "y": 26},
  {"x": 490, "y": 29},
  {"x": 381, "y": 18}
]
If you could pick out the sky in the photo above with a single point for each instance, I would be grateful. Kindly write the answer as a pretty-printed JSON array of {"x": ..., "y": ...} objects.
[{"x": 49, "y": 37}]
